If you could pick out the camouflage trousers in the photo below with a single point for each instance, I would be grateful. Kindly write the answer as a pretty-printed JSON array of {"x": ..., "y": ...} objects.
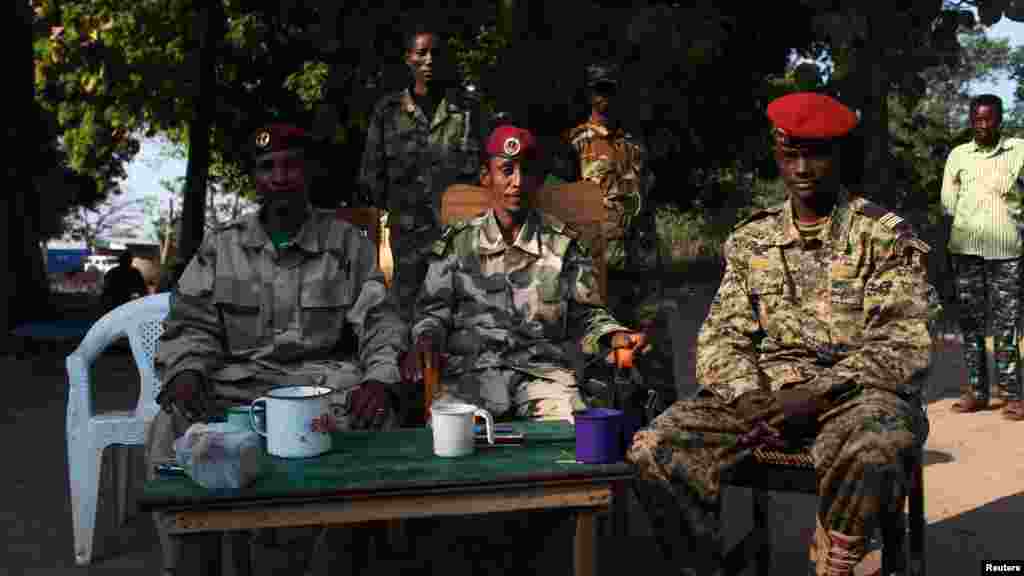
[
  {"x": 633, "y": 247},
  {"x": 409, "y": 249},
  {"x": 539, "y": 393},
  {"x": 859, "y": 454},
  {"x": 997, "y": 283}
]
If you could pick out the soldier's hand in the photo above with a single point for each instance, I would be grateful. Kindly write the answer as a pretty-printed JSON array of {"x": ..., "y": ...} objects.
[
  {"x": 761, "y": 434},
  {"x": 793, "y": 408},
  {"x": 413, "y": 362},
  {"x": 624, "y": 345},
  {"x": 372, "y": 405},
  {"x": 186, "y": 394}
]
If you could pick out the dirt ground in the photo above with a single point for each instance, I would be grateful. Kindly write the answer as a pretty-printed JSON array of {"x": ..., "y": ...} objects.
[{"x": 974, "y": 482}]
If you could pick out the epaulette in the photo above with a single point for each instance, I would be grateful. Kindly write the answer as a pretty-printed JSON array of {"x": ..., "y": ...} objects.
[
  {"x": 905, "y": 234},
  {"x": 557, "y": 226},
  {"x": 575, "y": 133},
  {"x": 389, "y": 100},
  {"x": 887, "y": 218},
  {"x": 759, "y": 214},
  {"x": 448, "y": 233},
  {"x": 240, "y": 223}
]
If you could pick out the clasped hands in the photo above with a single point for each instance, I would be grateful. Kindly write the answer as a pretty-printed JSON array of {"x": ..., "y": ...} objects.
[
  {"x": 791, "y": 410},
  {"x": 370, "y": 405}
]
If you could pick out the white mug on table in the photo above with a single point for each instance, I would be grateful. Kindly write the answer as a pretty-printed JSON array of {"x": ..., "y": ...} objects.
[
  {"x": 298, "y": 421},
  {"x": 452, "y": 426}
]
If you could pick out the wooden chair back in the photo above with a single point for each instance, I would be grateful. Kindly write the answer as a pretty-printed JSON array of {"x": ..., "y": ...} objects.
[{"x": 369, "y": 220}]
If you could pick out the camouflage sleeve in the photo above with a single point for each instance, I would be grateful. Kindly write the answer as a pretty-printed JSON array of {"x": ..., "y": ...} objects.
[
  {"x": 435, "y": 302},
  {"x": 381, "y": 333},
  {"x": 372, "y": 177},
  {"x": 193, "y": 335},
  {"x": 726, "y": 351},
  {"x": 587, "y": 317},
  {"x": 897, "y": 342}
]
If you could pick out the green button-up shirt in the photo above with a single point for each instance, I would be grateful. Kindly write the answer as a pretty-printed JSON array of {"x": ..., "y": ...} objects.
[{"x": 974, "y": 193}]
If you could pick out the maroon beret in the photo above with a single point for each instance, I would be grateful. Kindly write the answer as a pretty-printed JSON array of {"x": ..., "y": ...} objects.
[
  {"x": 511, "y": 142},
  {"x": 277, "y": 137},
  {"x": 809, "y": 116}
]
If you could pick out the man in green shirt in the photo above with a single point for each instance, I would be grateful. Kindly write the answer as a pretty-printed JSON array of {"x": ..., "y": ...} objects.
[{"x": 985, "y": 248}]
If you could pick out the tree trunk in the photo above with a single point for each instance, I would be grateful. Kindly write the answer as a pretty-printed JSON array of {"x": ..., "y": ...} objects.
[
  {"x": 875, "y": 115},
  {"x": 21, "y": 258},
  {"x": 209, "y": 26}
]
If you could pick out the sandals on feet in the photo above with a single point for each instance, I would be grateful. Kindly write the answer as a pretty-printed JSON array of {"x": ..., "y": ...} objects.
[
  {"x": 967, "y": 404},
  {"x": 1014, "y": 410}
]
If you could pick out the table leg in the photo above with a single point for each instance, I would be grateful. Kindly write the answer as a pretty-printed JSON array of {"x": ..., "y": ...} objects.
[
  {"x": 240, "y": 544},
  {"x": 585, "y": 561},
  {"x": 211, "y": 552}
]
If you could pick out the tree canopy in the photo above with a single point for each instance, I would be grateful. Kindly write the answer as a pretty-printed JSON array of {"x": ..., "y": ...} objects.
[{"x": 696, "y": 77}]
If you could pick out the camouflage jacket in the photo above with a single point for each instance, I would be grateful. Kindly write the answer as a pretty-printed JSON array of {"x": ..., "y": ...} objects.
[
  {"x": 849, "y": 308},
  {"x": 491, "y": 304},
  {"x": 243, "y": 307},
  {"x": 409, "y": 160},
  {"x": 613, "y": 159}
]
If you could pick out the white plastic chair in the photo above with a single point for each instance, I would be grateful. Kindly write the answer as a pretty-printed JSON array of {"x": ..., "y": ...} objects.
[{"x": 88, "y": 433}]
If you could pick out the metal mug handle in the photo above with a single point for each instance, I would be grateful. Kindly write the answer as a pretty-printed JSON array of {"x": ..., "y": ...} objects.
[
  {"x": 488, "y": 423},
  {"x": 252, "y": 415}
]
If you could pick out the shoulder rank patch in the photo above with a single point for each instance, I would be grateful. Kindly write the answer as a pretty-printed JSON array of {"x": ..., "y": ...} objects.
[
  {"x": 884, "y": 216},
  {"x": 906, "y": 241},
  {"x": 440, "y": 246}
]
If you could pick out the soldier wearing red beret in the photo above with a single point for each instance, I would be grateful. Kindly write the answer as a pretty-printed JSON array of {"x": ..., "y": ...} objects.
[
  {"x": 268, "y": 301},
  {"x": 819, "y": 334},
  {"x": 507, "y": 292}
]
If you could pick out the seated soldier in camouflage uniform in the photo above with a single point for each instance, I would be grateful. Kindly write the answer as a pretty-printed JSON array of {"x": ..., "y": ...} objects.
[
  {"x": 819, "y": 332},
  {"x": 508, "y": 293},
  {"x": 268, "y": 300}
]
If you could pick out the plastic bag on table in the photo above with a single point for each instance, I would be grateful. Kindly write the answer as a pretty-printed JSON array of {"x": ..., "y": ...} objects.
[{"x": 220, "y": 455}]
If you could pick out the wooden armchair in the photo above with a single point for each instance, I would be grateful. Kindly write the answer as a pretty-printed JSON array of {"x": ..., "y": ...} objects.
[{"x": 369, "y": 219}]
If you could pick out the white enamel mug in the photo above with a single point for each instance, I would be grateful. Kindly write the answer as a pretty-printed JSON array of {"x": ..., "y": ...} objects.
[
  {"x": 298, "y": 420},
  {"x": 452, "y": 425}
]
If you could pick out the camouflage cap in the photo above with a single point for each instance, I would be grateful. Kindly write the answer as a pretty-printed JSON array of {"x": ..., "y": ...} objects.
[{"x": 598, "y": 74}]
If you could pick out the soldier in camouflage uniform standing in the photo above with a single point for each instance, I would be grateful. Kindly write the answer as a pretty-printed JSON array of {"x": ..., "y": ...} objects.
[
  {"x": 421, "y": 139},
  {"x": 266, "y": 301},
  {"x": 508, "y": 292},
  {"x": 601, "y": 151},
  {"x": 819, "y": 331}
]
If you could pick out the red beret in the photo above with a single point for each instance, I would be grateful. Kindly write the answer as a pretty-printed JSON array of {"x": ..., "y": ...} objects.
[
  {"x": 277, "y": 137},
  {"x": 512, "y": 143},
  {"x": 809, "y": 116}
]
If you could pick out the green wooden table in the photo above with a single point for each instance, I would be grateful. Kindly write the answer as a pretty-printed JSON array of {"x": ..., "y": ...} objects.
[{"x": 373, "y": 476}]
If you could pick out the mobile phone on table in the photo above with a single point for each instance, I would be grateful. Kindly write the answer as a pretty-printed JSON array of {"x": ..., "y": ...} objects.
[
  {"x": 504, "y": 434},
  {"x": 169, "y": 469}
]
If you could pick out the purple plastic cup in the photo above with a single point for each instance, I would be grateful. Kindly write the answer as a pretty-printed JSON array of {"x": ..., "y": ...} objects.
[
  {"x": 630, "y": 425},
  {"x": 599, "y": 436}
]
